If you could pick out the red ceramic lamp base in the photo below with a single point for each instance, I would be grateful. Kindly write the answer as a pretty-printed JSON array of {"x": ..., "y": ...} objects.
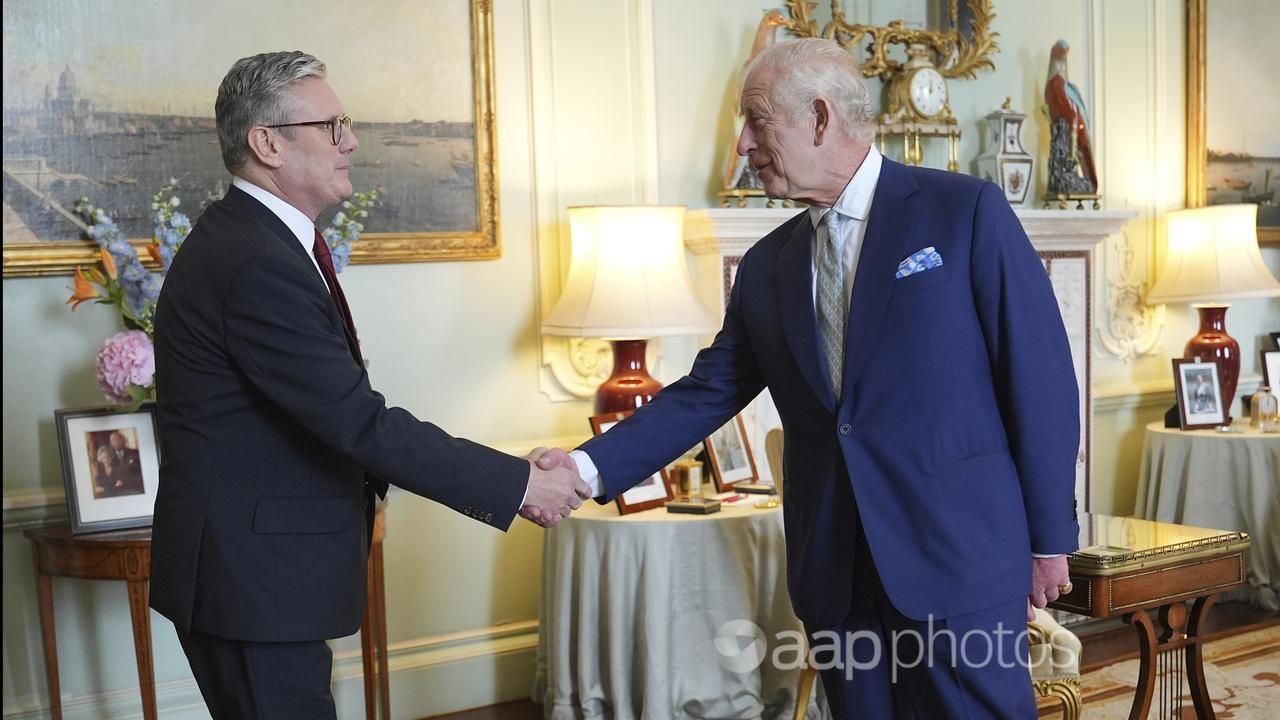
[
  {"x": 1213, "y": 342},
  {"x": 631, "y": 385}
]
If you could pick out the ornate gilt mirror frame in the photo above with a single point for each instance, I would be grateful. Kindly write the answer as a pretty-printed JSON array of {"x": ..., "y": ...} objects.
[{"x": 955, "y": 54}]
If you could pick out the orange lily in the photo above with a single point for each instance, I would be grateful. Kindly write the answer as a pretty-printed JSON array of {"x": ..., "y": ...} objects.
[
  {"x": 108, "y": 263},
  {"x": 83, "y": 291},
  {"x": 154, "y": 251}
]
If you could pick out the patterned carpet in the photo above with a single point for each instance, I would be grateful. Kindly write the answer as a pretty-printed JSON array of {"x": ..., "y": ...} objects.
[{"x": 1242, "y": 671}]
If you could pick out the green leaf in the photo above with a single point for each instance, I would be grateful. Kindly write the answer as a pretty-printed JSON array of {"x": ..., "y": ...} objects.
[{"x": 139, "y": 395}]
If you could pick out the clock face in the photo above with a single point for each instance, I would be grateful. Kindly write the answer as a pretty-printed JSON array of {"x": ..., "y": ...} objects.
[{"x": 928, "y": 92}]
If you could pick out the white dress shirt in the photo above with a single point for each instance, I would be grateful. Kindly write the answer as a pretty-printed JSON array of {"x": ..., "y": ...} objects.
[{"x": 854, "y": 204}]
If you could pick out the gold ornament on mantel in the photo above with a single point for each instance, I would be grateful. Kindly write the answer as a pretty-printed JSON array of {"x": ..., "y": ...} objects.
[{"x": 917, "y": 104}]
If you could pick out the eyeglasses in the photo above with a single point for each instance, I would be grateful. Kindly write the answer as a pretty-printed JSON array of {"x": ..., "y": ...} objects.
[{"x": 335, "y": 123}]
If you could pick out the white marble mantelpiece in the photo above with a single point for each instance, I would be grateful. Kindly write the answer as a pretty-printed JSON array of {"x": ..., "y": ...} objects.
[{"x": 1066, "y": 240}]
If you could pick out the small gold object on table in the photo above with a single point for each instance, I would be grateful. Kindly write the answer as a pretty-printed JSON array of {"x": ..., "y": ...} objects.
[
  {"x": 686, "y": 478},
  {"x": 772, "y": 502}
]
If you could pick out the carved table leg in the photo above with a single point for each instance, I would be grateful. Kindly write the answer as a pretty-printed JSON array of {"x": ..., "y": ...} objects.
[
  {"x": 380, "y": 631},
  {"x": 1141, "y": 622},
  {"x": 44, "y": 589},
  {"x": 140, "y": 613},
  {"x": 366, "y": 651},
  {"x": 1195, "y": 657}
]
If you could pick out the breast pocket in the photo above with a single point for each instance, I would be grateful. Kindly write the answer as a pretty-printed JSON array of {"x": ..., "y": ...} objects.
[{"x": 923, "y": 280}]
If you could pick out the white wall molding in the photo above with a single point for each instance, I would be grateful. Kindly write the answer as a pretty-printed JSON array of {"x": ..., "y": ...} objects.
[
  {"x": 572, "y": 368},
  {"x": 411, "y": 663},
  {"x": 1128, "y": 328},
  {"x": 33, "y": 508}
]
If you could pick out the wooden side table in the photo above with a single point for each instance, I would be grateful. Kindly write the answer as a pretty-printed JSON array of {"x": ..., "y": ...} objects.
[
  {"x": 126, "y": 555},
  {"x": 1130, "y": 567},
  {"x": 123, "y": 555}
]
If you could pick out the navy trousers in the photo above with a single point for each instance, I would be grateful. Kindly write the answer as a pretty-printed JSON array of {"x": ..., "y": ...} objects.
[
  {"x": 243, "y": 680},
  {"x": 880, "y": 664}
]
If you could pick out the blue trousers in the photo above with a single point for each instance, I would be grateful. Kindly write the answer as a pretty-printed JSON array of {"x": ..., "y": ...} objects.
[{"x": 878, "y": 663}]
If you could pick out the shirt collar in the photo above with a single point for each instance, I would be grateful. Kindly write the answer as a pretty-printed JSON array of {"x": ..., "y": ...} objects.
[
  {"x": 292, "y": 217},
  {"x": 855, "y": 200}
]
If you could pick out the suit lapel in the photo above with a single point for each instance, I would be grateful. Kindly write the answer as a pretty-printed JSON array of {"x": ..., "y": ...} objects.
[
  {"x": 244, "y": 202},
  {"x": 795, "y": 301},
  {"x": 884, "y": 244}
]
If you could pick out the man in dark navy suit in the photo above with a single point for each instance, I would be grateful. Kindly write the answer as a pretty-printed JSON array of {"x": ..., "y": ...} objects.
[
  {"x": 910, "y": 338},
  {"x": 273, "y": 444}
]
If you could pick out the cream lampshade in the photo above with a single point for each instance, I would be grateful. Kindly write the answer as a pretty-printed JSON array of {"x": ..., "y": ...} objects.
[
  {"x": 628, "y": 281},
  {"x": 1213, "y": 256}
]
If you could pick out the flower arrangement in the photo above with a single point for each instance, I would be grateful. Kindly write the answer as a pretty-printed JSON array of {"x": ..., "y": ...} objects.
[{"x": 126, "y": 360}]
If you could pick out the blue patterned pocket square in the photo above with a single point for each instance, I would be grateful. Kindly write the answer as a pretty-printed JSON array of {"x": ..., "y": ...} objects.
[{"x": 925, "y": 259}]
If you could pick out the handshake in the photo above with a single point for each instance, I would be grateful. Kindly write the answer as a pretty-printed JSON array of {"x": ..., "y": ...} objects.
[{"x": 555, "y": 487}]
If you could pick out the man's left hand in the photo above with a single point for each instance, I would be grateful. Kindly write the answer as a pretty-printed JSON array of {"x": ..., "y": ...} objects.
[{"x": 1047, "y": 574}]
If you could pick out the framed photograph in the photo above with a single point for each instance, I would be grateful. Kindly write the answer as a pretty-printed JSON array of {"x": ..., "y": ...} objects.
[
  {"x": 729, "y": 455},
  {"x": 1198, "y": 386},
  {"x": 1271, "y": 369},
  {"x": 94, "y": 108},
  {"x": 652, "y": 492},
  {"x": 1233, "y": 144},
  {"x": 111, "y": 466}
]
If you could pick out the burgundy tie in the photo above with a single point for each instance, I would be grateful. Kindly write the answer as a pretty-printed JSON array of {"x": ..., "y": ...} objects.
[{"x": 321, "y": 250}]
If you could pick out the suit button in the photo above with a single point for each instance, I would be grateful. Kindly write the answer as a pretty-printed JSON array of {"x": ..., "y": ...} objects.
[{"x": 846, "y": 428}]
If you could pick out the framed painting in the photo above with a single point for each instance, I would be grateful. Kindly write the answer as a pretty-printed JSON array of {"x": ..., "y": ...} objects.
[
  {"x": 95, "y": 109},
  {"x": 1233, "y": 142},
  {"x": 652, "y": 492},
  {"x": 111, "y": 466},
  {"x": 1199, "y": 392},
  {"x": 730, "y": 457}
]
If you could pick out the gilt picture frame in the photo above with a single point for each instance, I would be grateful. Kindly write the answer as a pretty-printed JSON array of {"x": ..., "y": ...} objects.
[
  {"x": 1233, "y": 150},
  {"x": 93, "y": 110},
  {"x": 729, "y": 456},
  {"x": 652, "y": 492},
  {"x": 110, "y": 466}
]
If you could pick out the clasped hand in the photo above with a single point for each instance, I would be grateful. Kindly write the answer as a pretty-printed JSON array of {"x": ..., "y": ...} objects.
[{"x": 555, "y": 487}]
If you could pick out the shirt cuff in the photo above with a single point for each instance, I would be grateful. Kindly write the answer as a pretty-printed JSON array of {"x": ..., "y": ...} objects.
[
  {"x": 1042, "y": 555},
  {"x": 588, "y": 472}
]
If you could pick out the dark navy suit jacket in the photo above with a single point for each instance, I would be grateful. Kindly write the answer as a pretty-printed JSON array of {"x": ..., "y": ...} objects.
[
  {"x": 958, "y": 428},
  {"x": 268, "y": 430}
]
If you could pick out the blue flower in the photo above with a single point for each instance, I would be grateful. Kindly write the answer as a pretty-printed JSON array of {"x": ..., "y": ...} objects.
[{"x": 341, "y": 256}]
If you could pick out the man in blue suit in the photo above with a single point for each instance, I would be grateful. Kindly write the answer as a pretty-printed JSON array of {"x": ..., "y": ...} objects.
[{"x": 910, "y": 338}]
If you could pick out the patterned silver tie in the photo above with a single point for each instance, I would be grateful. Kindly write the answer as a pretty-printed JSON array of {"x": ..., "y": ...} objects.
[{"x": 832, "y": 305}]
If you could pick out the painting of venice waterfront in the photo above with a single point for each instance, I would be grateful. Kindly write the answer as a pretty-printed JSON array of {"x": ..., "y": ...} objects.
[{"x": 85, "y": 115}]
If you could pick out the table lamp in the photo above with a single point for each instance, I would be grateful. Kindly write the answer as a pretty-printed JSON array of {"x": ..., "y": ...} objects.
[
  {"x": 628, "y": 281},
  {"x": 1213, "y": 256}
]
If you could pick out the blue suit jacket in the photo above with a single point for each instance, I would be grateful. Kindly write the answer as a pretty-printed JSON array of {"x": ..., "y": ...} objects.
[{"x": 957, "y": 431}]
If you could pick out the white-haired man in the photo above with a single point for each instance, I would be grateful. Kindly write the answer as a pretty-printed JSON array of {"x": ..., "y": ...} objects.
[{"x": 909, "y": 335}]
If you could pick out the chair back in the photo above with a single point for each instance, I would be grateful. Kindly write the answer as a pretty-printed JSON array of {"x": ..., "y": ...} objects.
[{"x": 773, "y": 452}]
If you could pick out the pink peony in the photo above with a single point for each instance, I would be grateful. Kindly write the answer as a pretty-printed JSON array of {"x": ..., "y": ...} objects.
[{"x": 125, "y": 359}]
